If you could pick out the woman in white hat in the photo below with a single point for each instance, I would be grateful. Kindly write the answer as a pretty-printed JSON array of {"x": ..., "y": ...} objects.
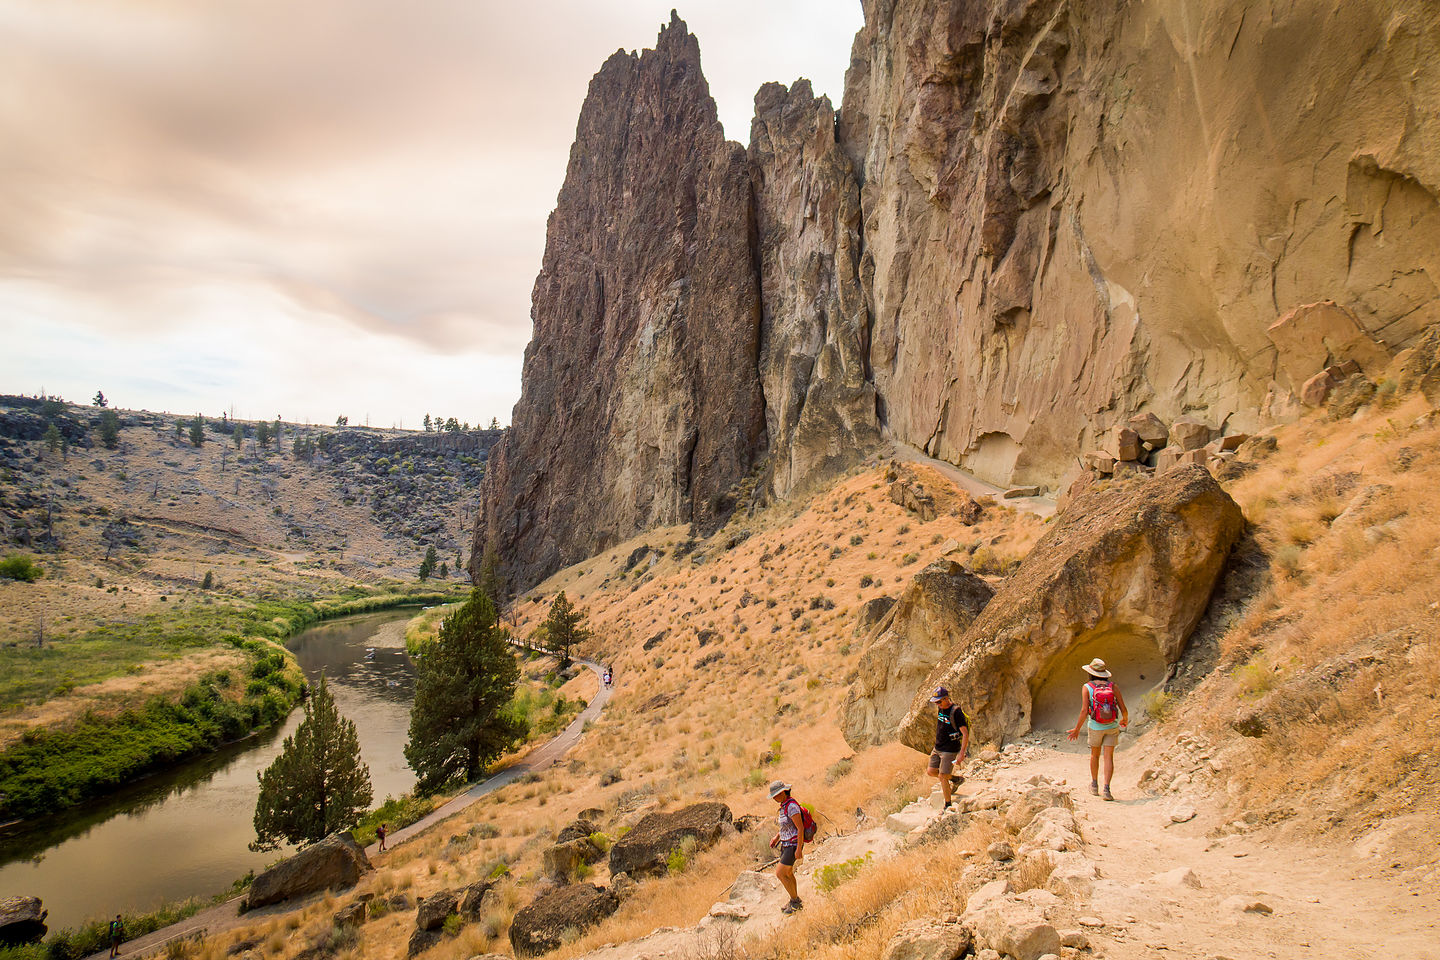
[{"x": 1102, "y": 704}]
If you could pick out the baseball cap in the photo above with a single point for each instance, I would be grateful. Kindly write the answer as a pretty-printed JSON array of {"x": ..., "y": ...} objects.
[{"x": 940, "y": 694}]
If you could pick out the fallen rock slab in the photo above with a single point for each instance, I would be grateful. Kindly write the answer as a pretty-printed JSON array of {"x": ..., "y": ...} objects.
[
  {"x": 22, "y": 920},
  {"x": 335, "y": 862},
  {"x": 435, "y": 909},
  {"x": 926, "y": 939},
  {"x": 643, "y": 851},
  {"x": 541, "y": 926},
  {"x": 1132, "y": 565},
  {"x": 931, "y": 616}
]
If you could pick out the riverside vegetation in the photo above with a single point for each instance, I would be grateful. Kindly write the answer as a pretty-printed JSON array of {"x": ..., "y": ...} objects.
[{"x": 148, "y": 582}]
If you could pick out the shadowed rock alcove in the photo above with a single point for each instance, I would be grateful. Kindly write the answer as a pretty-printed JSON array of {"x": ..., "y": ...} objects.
[{"x": 1135, "y": 663}]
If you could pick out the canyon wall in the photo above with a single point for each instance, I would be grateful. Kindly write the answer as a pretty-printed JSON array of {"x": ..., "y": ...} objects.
[{"x": 1029, "y": 221}]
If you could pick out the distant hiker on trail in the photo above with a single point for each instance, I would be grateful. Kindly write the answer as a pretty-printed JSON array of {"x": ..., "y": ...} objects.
[
  {"x": 952, "y": 742},
  {"x": 117, "y": 934},
  {"x": 380, "y": 833},
  {"x": 607, "y": 678},
  {"x": 794, "y": 833},
  {"x": 1101, "y": 702}
]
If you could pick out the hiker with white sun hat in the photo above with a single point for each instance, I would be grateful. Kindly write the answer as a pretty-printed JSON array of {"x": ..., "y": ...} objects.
[{"x": 1102, "y": 704}]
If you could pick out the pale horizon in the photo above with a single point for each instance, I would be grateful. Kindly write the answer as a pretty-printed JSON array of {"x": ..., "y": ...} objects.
[{"x": 334, "y": 212}]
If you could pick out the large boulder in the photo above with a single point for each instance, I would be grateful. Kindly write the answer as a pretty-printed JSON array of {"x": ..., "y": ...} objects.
[
  {"x": 541, "y": 926},
  {"x": 563, "y": 859},
  {"x": 336, "y": 861},
  {"x": 435, "y": 909},
  {"x": 644, "y": 849},
  {"x": 931, "y": 616},
  {"x": 576, "y": 829},
  {"x": 927, "y": 939},
  {"x": 22, "y": 920},
  {"x": 1124, "y": 574}
]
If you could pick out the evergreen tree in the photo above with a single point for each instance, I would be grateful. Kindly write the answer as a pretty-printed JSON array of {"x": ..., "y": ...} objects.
[
  {"x": 426, "y": 423},
  {"x": 100, "y": 400},
  {"x": 342, "y": 421},
  {"x": 494, "y": 423},
  {"x": 564, "y": 627},
  {"x": 110, "y": 429},
  {"x": 492, "y": 581},
  {"x": 318, "y": 784},
  {"x": 197, "y": 431},
  {"x": 464, "y": 684},
  {"x": 444, "y": 571},
  {"x": 427, "y": 566},
  {"x": 237, "y": 436},
  {"x": 52, "y": 438},
  {"x": 262, "y": 434}
]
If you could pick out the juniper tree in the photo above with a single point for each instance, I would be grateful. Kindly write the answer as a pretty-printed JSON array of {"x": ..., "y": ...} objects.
[
  {"x": 99, "y": 399},
  {"x": 52, "y": 438},
  {"x": 564, "y": 627},
  {"x": 197, "y": 430},
  {"x": 464, "y": 684},
  {"x": 237, "y": 436},
  {"x": 318, "y": 784},
  {"x": 427, "y": 565}
]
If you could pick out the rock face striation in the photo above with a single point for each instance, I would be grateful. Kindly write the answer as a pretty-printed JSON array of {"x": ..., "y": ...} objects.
[{"x": 1029, "y": 224}]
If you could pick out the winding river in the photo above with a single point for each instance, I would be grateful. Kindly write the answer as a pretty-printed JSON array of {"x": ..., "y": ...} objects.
[{"x": 186, "y": 832}]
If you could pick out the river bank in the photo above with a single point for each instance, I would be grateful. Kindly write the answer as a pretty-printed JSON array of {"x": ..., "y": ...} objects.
[
  {"x": 69, "y": 762},
  {"x": 185, "y": 832}
]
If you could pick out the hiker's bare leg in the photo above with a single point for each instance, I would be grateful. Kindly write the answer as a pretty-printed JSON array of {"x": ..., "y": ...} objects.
[
  {"x": 1109, "y": 764},
  {"x": 787, "y": 880},
  {"x": 1095, "y": 764}
]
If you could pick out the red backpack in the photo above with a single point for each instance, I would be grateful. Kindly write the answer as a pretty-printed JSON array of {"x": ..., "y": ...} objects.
[
  {"x": 1103, "y": 708},
  {"x": 807, "y": 821}
]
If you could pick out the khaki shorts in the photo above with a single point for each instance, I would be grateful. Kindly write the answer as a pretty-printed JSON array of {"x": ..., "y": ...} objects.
[
  {"x": 943, "y": 762},
  {"x": 1105, "y": 738}
]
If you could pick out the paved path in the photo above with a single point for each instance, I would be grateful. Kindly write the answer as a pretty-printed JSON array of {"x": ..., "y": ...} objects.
[
  {"x": 1040, "y": 506},
  {"x": 225, "y": 915}
]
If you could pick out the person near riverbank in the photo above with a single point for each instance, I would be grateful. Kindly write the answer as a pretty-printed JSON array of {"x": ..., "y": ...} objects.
[
  {"x": 1102, "y": 705},
  {"x": 952, "y": 742},
  {"x": 380, "y": 833},
  {"x": 117, "y": 935},
  {"x": 790, "y": 840}
]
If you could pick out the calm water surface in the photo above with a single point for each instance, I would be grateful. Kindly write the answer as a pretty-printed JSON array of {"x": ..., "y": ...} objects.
[{"x": 185, "y": 833}]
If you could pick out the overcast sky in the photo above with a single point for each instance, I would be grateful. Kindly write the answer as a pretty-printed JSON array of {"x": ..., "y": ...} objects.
[{"x": 316, "y": 208}]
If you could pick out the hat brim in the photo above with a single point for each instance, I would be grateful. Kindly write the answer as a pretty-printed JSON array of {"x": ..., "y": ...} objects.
[
  {"x": 1103, "y": 674},
  {"x": 938, "y": 699}
]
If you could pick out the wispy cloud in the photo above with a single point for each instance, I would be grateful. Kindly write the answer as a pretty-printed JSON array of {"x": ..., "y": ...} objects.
[{"x": 320, "y": 179}]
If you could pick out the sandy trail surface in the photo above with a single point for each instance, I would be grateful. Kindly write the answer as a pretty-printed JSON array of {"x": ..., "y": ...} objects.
[{"x": 1340, "y": 901}]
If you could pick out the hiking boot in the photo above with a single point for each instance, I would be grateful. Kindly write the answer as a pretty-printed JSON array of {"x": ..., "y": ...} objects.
[
  {"x": 1094, "y": 789},
  {"x": 1107, "y": 794},
  {"x": 791, "y": 907}
]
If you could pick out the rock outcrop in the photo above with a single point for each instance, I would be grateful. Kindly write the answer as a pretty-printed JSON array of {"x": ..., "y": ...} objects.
[
  {"x": 335, "y": 862},
  {"x": 22, "y": 920},
  {"x": 927, "y": 622},
  {"x": 643, "y": 850},
  {"x": 641, "y": 401},
  {"x": 819, "y": 403},
  {"x": 541, "y": 926},
  {"x": 1029, "y": 223},
  {"x": 1124, "y": 575}
]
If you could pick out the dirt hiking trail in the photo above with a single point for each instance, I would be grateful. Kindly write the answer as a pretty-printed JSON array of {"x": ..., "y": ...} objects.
[{"x": 1165, "y": 889}]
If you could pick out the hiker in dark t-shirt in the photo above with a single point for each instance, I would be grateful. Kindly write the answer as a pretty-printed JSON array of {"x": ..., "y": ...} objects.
[{"x": 952, "y": 742}]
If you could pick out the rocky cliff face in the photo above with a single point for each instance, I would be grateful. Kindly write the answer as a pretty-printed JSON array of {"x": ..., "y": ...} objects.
[
  {"x": 1030, "y": 221},
  {"x": 1077, "y": 212},
  {"x": 641, "y": 401}
]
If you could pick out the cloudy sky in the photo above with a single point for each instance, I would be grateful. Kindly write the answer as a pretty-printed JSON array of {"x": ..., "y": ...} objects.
[{"x": 315, "y": 208}]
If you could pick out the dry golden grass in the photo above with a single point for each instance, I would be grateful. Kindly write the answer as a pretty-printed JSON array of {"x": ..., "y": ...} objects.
[{"x": 1337, "y": 652}]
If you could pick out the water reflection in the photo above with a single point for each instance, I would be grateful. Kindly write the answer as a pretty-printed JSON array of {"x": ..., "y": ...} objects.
[{"x": 186, "y": 832}]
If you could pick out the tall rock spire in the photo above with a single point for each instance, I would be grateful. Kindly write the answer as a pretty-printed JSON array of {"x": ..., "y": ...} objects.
[{"x": 641, "y": 401}]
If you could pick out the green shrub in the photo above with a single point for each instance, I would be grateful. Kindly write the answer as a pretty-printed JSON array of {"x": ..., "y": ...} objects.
[
  {"x": 20, "y": 567},
  {"x": 827, "y": 878},
  {"x": 601, "y": 841}
]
